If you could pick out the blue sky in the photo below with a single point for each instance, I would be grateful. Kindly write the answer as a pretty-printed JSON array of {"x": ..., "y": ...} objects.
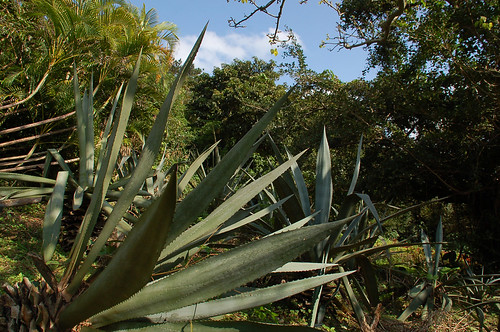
[{"x": 310, "y": 22}]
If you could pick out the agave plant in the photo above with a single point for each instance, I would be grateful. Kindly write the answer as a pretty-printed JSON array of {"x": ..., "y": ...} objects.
[
  {"x": 139, "y": 289},
  {"x": 423, "y": 294},
  {"x": 480, "y": 293},
  {"x": 348, "y": 246}
]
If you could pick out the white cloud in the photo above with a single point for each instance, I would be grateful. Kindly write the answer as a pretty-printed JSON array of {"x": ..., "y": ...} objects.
[{"x": 217, "y": 49}]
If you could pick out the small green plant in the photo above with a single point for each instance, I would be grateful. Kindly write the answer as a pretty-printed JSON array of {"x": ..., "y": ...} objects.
[
  {"x": 478, "y": 293},
  {"x": 424, "y": 293}
]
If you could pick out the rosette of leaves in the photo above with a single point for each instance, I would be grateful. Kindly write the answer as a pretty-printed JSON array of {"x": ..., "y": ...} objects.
[
  {"x": 348, "y": 246},
  {"x": 139, "y": 288}
]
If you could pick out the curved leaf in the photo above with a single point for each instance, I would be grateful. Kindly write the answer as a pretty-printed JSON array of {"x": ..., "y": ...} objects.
[
  {"x": 419, "y": 300},
  {"x": 217, "y": 274},
  {"x": 201, "y": 197},
  {"x": 324, "y": 187},
  {"x": 131, "y": 266},
  {"x": 107, "y": 130},
  {"x": 186, "y": 177},
  {"x": 78, "y": 197},
  {"x": 360, "y": 315},
  {"x": 209, "y": 326},
  {"x": 357, "y": 167},
  {"x": 303, "y": 266},
  {"x": 438, "y": 246},
  {"x": 53, "y": 215},
  {"x": 222, "y": 213},
  {"x": 26, "y": 178},
  {"x": 301, "y": 187},
  {"x": 245, "y": 300}
]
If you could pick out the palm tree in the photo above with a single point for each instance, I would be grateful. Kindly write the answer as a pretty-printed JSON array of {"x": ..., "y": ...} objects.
[
  {"x": 103, "y": 37},
  {"x": 103, "y": 33}
]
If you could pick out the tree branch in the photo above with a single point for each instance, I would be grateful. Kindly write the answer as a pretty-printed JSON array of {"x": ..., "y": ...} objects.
[
  {"x": 38, "y": 87},
  {"x": 237, "y": 24},
  {"x": 382, "y": 37}
]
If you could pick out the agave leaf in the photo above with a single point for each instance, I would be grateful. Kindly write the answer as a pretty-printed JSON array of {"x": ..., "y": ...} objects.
[
  {"x": 138, "y": 200},
  {"x": 53, "y": 215},
  {"x": 9, "y": 191},
  {"x": 347, "y": 209},
  {"x": 208, "y": 326},
  {"x": 222, "y": 213},
  {"x": 367, "y": 200},
  {"x": 107, "y": 130},
  {"x": 150, "y": 185},
  {"x": 217, "y": 274},
  {"x": 89, "y": 135},
  {"x": 296, "y": 225},
  {"x": 414, "y": 291},
  {"x": 281, "y": 215},
  {"x": 130, "y": 268},
  {"x": 427, "y": 250},
  {"x": 301, "y": 187},
  {"x": 46, "y": 165},
  {"x": 287, "y": 177},
  {"x": 102, "y": 183},
  {"x": 147, "y": 159},
  {"x": 78, "y": 197},
  {"x": 123, "y": 227},
  {"x": 316, "y": 314},
  {"x": 292, "y": 207},
  {"x": 108, "y": 208},
  {"x": 201, "y": 197},
  {"x": 170, "y": 263},
  {"x": 31, "y": 192},
  {"x": 438, "y": 246},
  {"x": 160, "y": 174},
  {"x": 357, "y": 167},
  {"x": 323, "y": 195},
  {"x": 245, "y": 300},
  {"x": 253, "y": 217},
  {"x": 348, "y": 206},
  {"x": 81, "y": 128},
  {"x": 419, "y": 300},
  {"x": 26, "y": 178},
  {"x": 303, "y": 266},
  {"x": 234, "y": 181},
  {"x": 306, "y": 220},
  {"x": 60, "y": 160},
  {"x": 193, "y": 168},
  {"x": 349, "y": 229}
]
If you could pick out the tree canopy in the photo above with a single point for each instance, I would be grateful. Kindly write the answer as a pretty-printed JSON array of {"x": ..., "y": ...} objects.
[
  {"x": 431, "y": 115},
  {"x": 41, "y": 41}
]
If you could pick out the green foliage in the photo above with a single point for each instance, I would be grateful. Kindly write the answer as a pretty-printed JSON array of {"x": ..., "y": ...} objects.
[
  {"x": 224, "y": 105},
  {"x": 423, "y": 294},
  {"x": 41, "y": 40},
  {"x": 429, "y": 117},
  {"x": 166, "y": 233},
  {"x": 358, "y": 235},
  {"x": 20, "y": 234}
]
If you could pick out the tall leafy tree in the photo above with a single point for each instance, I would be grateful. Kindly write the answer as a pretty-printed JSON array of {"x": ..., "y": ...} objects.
[{"x": 225, "y": 104}]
